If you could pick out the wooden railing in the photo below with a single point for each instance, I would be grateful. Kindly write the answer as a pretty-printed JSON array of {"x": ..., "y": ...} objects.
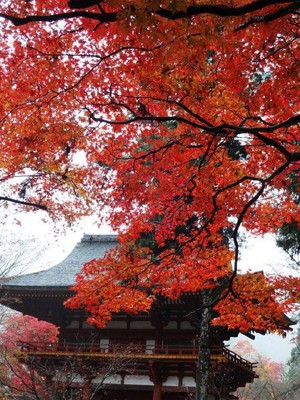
[
  {"x": 132, "y": 350},
  {"x": 233, "y": 357}
]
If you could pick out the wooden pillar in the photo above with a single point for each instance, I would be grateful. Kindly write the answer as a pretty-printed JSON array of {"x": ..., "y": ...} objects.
[
  {"x": 86, "y": 393},
  {"x": 157, "y": 391},
  {"x": 157, "y": 379}
]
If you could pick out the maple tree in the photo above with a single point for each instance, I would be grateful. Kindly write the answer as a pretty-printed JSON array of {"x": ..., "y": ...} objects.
[
  {"x": 270, "y": 375},
  {"x": 27, "y": 329},
  {"x": 179, "y": 119},
  {"x": 274, "y": 381},
  {"x": 16, "y": 376},
  {"x": 25, "y": 373}
]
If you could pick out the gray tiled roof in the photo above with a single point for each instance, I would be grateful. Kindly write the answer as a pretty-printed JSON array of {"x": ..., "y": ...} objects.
[{"x": 63, "y": 274}]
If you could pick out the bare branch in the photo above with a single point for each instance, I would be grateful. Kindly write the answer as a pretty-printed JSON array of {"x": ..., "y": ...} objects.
[{"x": 24, "y": 203}]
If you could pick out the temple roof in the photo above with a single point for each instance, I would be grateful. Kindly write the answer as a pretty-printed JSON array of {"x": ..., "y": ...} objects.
[{"x": 63, "y": 274}]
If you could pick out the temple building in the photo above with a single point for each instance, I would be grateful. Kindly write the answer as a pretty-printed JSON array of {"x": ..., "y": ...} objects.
[{"x": 149, "y": 356}]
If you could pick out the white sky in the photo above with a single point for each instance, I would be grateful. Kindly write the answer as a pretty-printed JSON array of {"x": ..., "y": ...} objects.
[
  {"x": 263, "y": 254},
  {"x": 259, "y": 254}
]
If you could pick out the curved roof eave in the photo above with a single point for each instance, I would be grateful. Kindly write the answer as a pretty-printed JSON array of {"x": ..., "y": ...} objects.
[{"x": 63, "y": 275}]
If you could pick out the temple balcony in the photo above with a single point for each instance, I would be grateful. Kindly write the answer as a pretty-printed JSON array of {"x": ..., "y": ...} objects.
[{"x": 162, "y": 352}]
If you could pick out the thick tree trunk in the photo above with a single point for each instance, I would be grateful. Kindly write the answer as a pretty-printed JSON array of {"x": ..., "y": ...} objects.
[{"x": 203, "y": 365}]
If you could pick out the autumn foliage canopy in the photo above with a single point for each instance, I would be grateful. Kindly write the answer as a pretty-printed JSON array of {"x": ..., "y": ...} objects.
[
  {"x": 23, "y": 329},
  {"x": 18, "y": 331},
  {"x": 177, "y": 120}
]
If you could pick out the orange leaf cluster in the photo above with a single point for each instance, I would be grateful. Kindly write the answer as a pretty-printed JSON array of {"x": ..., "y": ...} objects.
[{"x": 179, "y": 119}]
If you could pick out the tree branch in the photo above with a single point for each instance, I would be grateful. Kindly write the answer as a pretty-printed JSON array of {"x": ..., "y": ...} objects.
[
  {"x": 101, "y": 18},
  {"x": 24, "y": 203},
  {"x": 225, "y": 11},
  {"x": 219, "y": 129},
  {"x": 191, "y": 11},
  {"x": 291, "y": 8}
]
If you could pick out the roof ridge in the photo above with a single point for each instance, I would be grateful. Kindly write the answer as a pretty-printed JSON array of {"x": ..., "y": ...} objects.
[
  {"x": 99, "y": 238},
  {"x": 64, "y": 273}
]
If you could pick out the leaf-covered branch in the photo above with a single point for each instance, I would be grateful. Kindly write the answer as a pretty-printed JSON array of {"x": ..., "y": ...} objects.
[
  {"x": 285, "y": 7},
  {"x": 24, "y": 203}
]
